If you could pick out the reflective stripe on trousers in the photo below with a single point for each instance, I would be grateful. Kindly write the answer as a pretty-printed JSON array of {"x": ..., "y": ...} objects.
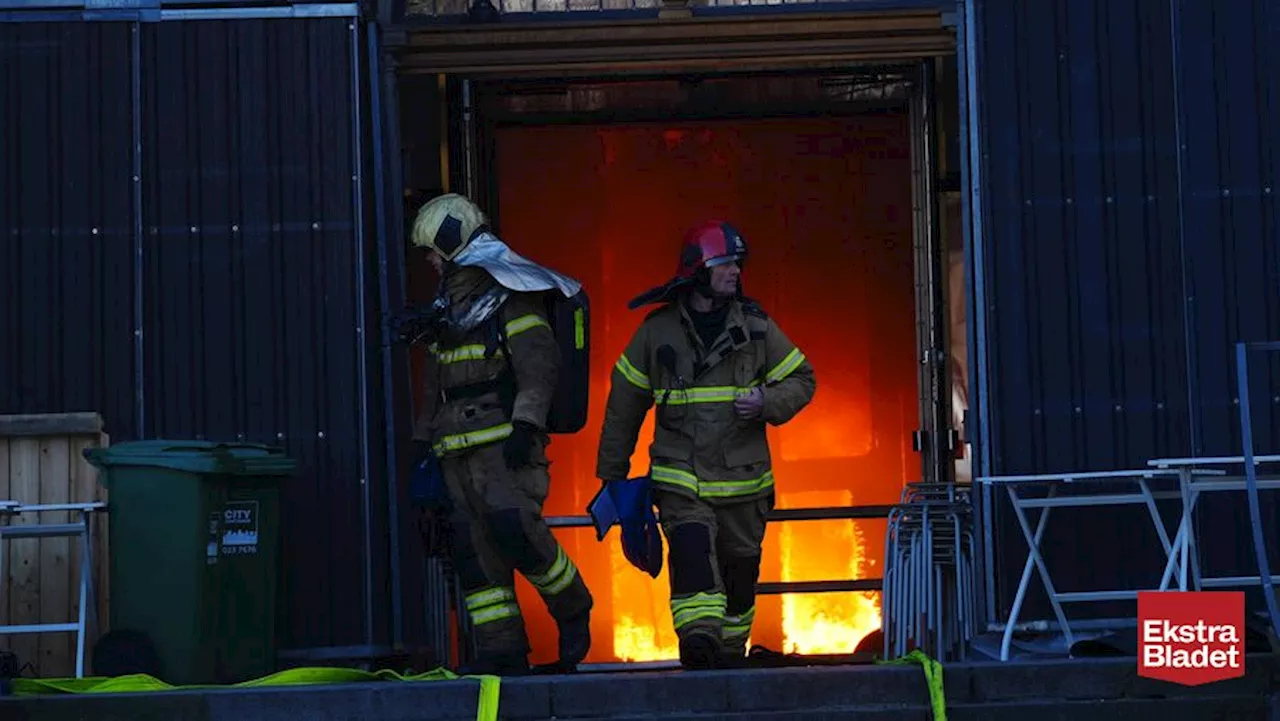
[
  {"x": 688, "y": 609},
  {"x": 710, "y": 489},
  {"x": 558, "y": 577},
  {"x": 738, "y": 628},
  {"x": 492, "y": 604}
]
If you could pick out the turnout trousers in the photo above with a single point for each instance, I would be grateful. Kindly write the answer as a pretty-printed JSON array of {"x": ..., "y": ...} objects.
[
  {"x": 714, "y": 560},
  {"x": 498, "y": 530}
]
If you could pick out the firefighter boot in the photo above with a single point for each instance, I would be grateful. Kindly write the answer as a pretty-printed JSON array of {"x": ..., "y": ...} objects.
[
  {"x": 731, "y": 658},
  {"x": 699, "y": 651},
  {"x": 575, "y": 639}
]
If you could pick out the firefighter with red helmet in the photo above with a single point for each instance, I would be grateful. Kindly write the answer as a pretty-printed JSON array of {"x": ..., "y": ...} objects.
[{"x": 717, "y": 370}]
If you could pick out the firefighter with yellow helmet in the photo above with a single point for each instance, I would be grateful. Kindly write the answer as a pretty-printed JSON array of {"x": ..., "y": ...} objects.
[
  {"x": 717, "y": 370},
  {"x": 489, "y": 386}
]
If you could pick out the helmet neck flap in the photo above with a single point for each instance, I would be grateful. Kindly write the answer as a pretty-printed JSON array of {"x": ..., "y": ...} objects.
[{"x": 705, "y": 246}]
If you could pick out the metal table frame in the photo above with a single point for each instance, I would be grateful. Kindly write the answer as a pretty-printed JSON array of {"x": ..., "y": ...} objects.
[
  {"x": 1185, "y": 553},
  {"x": 81, "y": 528},
  {"x": 1144, "y": 496}
]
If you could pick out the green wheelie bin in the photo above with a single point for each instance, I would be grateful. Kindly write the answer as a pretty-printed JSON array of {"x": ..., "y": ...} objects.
[{"x": 194, "y": 539}]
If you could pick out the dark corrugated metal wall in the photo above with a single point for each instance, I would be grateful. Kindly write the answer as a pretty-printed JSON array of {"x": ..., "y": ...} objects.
[
  {"x": 66, "y": 207},
  {"x": 249, "y": 248},
  {"x": 1121, "y": 271},
  {"x": 1229, "y": 73}
]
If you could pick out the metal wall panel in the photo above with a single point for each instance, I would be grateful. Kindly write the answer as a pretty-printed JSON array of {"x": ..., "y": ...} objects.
[
  {"x": 66, "y": 214},
  {"x": 252, "y": 245},
  {"x": 198, "y": 182},
  {"x": 1228, "y": 69},
  {"x": 1129, "y": 241}
]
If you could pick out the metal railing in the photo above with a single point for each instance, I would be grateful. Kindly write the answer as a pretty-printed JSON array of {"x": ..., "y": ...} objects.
[
  {"x": 441, "y": 598},
  {"x": 823, "y": 513},
  {"x": 928, "y": 593}
]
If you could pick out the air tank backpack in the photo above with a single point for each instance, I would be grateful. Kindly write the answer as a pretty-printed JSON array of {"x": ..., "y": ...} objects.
[{"x": 570, "y": 320}]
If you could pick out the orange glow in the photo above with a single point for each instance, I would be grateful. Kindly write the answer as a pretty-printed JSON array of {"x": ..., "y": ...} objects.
[
  {"x": 825, "y": 623},
  {"x": 825, "y": 205},
  {"x": 635, "y": 635}
]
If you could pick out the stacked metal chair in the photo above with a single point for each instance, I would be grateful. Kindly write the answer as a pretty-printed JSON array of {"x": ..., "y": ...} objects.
[{"x": 929, "y": 599}]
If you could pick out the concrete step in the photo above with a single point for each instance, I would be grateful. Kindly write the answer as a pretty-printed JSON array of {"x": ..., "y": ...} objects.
[
  {"x": 1090, "y": 690},
  {"x": 1208, "y": 708},
  {"x": 860, "y": 713},
  {"x": 1202, "y": 708}
]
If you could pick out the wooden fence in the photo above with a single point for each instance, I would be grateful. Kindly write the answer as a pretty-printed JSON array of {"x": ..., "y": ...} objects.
[{"x": 42, "y": 461}]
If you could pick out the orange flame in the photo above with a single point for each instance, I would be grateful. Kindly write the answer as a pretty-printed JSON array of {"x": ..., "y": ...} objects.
[
  {"x": 839, "y": 276},
  {"x": 642, "y": 629},
  {"x": 818, "y": 623},
  {"x": 821, "y": 623}
]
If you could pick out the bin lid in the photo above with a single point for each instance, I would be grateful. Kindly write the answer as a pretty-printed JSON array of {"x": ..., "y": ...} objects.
[{"x": 194, "y": 456}]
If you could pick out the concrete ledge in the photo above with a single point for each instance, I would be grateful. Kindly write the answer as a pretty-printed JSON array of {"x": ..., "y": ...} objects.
[
  {"x": 661, "y": 693},
  {"x": 1226, "y": 708},
  {"x": 1111, "y": 678},
  {"x": 826, "y": 686},
  {"x": 1091, "y": 690},
  {"x": 128, "y": 707},
  {"x": 859, "y": 713},
  {"x": 1207, "y": 708},
  {"x": 445, "y": 700}
]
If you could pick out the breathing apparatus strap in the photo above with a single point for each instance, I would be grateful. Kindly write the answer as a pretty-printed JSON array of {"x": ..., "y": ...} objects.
[{"x": 506, "y": 381}]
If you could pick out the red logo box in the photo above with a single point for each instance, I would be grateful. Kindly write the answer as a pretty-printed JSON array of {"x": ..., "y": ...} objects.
[{"x": 1191, "y": 638}]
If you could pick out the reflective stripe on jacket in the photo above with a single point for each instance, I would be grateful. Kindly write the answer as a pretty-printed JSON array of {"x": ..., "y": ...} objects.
[
  {"x": 701, "y": 447},
  {"x": 460, "y": 362}
]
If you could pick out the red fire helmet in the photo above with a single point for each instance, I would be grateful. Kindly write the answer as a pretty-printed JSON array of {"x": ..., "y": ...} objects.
[{"x": 706, "y": 245}]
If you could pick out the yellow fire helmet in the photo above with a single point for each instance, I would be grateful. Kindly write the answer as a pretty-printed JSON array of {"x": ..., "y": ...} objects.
[{"x": 447, "y": 223}]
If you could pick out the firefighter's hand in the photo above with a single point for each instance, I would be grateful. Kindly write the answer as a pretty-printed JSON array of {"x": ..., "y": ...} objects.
[
  {"x": 750, "y": 405},
  {"x": 519, "y": 445},
  {"x": 421, "y": 448},
  {"x": 437, "y": 534}
]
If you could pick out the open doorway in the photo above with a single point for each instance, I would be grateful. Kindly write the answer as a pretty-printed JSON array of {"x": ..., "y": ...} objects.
[{"x": 599, "y": 180}]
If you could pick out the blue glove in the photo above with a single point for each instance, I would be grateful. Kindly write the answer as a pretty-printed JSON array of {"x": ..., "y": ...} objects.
[{"x": 426, "y": 485}]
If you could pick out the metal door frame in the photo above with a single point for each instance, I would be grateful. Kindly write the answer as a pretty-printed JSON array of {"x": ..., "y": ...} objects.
[
  {"x": 935, "y": 440},
  {"x": 463, "y": 165}
]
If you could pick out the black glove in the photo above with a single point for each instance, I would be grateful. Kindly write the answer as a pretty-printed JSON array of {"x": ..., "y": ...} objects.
[
  {"x": 437, "y": 533},
  {"x": 519, "y": 446},
  {"x": 420, "y": 449}
]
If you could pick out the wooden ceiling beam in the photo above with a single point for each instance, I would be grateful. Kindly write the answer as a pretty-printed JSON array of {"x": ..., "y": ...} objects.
[{"x": 698, "y": 44}]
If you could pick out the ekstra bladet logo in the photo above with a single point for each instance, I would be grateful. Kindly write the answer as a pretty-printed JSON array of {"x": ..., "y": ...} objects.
[{"x": 1191, "y": 638}]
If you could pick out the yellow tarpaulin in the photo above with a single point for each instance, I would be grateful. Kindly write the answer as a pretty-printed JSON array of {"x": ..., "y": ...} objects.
[{"x": 487, "y": 707}]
